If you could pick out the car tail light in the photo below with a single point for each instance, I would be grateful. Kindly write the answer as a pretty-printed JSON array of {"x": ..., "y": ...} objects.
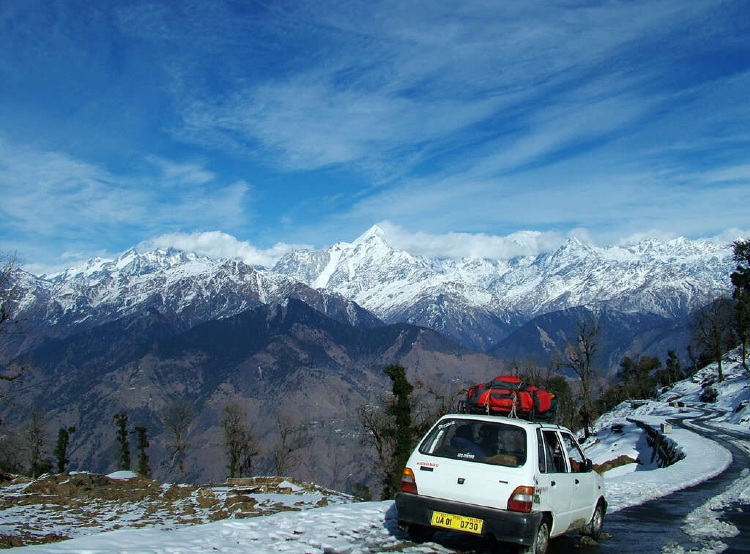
[
  {"x": 408, "y": 483},
  {"x": 521, "y": 499}
]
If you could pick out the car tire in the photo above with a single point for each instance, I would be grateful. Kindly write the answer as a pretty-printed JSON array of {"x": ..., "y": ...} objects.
[
  {"x": 597, "y": 522},
  {"x": 541, "y": 540},
  {"x": 420, "y": 533}
]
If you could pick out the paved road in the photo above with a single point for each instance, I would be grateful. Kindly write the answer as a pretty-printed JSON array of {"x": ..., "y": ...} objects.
[{"x": 654, "y": 525}]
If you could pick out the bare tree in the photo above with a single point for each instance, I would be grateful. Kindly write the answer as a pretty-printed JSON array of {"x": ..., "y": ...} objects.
[
  {"x": 430, "y": 401},
  {"x": 578, "y": 356},
  {"x": 286, "y": 451},
  {"x": 376, "y": 426},
  {"x": 176, "y": 419},
  {"x": 713, "y": 332},
  {"x": 240, "y": 441},
  {"x": 36, "y": 443}
]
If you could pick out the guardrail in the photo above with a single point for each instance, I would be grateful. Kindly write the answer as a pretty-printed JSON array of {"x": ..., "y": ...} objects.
[{"x": 664, "y": 450}]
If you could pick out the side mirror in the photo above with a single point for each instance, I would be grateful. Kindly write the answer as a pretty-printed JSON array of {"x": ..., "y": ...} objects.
[{"x": 589, "y": 465}]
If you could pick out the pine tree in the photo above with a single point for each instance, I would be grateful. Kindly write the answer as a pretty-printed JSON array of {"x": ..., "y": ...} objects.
[
  {"x": 741, "y": 293},
  {"x": 61, "y": 448},
  {"x": 141, "y": 445},
  {"x": 402, "y": 431},
  {"x": 121, "y": 420}
]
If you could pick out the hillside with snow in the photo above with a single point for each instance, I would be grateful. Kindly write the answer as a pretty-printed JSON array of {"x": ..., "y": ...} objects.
[{"x": 365, "y": 527}]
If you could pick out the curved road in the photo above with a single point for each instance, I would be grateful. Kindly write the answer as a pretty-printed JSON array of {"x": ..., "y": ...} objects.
[{"x": 656, "y": 524}]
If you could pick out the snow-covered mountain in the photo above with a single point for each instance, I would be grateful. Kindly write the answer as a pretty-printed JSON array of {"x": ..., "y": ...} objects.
[
  {"x": 185, "y": 287},
  {"x": 480, "y": 301},
  {"x": 476, "y": 302}
]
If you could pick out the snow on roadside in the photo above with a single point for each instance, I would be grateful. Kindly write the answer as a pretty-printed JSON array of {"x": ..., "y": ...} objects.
[{"x": 636, "y": 483}]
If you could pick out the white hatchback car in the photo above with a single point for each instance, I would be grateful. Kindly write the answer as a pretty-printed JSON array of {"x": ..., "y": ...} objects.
[{"x": 517, "y": 481}]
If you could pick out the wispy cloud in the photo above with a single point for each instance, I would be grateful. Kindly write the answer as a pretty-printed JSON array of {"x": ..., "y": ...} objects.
[
  {"x": 462, "y": 123},
  {"x": 56, "y": 197},
  {"x": 471, "y": 245},
  {"x": 396, "y": 78}
]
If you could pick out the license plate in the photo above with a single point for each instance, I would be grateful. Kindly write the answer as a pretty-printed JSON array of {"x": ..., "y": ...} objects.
[{"x": 457, "y": 523}]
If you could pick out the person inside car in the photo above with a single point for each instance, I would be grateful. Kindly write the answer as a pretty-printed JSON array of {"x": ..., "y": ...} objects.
[{"x": 464, "y": 441}]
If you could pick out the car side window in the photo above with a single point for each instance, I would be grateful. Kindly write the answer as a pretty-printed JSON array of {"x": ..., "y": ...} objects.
[
  {"x": 575, "y": 456},
  {"x": 554, "y": 457}
]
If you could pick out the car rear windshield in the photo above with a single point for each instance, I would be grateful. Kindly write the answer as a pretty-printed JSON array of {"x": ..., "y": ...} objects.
[{"x": 477, "y": 441}]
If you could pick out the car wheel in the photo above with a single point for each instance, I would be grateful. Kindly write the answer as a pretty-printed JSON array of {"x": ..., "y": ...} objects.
[
  {"x": 597, "y": 522},
  {"x": 541, "y": 540},
  {"x": 420, "y": 533}
]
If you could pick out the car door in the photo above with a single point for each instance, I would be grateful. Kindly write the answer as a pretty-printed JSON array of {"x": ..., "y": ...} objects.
[
  {"x": 584, "y": 494},
  {"x": 555, "y": 482}
]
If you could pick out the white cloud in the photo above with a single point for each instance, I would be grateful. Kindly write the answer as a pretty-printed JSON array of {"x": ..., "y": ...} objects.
[
  {"x": 731, "y": 235},
  {"x": 216, "y": 244},
  {"x": 181, "y": 173},
  {"x": 468, "y": 245}
]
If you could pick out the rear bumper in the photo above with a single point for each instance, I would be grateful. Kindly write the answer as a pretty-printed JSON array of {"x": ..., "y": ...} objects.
[{"x": 505, "y": 526}]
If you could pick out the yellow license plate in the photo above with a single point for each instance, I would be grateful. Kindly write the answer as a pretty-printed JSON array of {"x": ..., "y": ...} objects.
[{"x": 458, "y": 523}]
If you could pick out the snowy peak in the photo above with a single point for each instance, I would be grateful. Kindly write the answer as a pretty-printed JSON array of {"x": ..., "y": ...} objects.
[
  {"x": 374, "y": 233},
  {"x": 347, "y": 267},
  {"x": 132, "y": 263}
]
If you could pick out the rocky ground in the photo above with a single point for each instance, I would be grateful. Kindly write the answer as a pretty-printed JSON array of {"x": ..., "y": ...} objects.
[{"x": 57, "y": 507}]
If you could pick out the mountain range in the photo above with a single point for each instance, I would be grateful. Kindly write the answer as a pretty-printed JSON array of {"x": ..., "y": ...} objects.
[{"x": 304, "y": 343}]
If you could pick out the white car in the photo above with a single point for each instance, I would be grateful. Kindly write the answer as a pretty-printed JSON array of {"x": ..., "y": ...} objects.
[{"x": 517, "y": 481}]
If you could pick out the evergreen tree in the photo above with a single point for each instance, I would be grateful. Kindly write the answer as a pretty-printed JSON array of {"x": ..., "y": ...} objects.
[
  {"x": 401, "y": 431},
  {"x": 141, "y": 445},
  {"x": 713, "y": 332},
  {"x": 673, "y": 371},
  {"x": 121, "y": 420},
  {"x": 61, "y": 448},
  {"x": 637, "y": 375},
  {"x": 566, "y": 404},
  {"x": 741, "y": 293}
]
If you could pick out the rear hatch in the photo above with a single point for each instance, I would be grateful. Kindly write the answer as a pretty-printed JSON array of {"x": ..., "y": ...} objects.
[{"x": 472, "y": 461}]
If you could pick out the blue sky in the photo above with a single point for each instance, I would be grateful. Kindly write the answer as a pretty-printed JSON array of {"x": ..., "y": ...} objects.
[{"x": 488, "y": 128}]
